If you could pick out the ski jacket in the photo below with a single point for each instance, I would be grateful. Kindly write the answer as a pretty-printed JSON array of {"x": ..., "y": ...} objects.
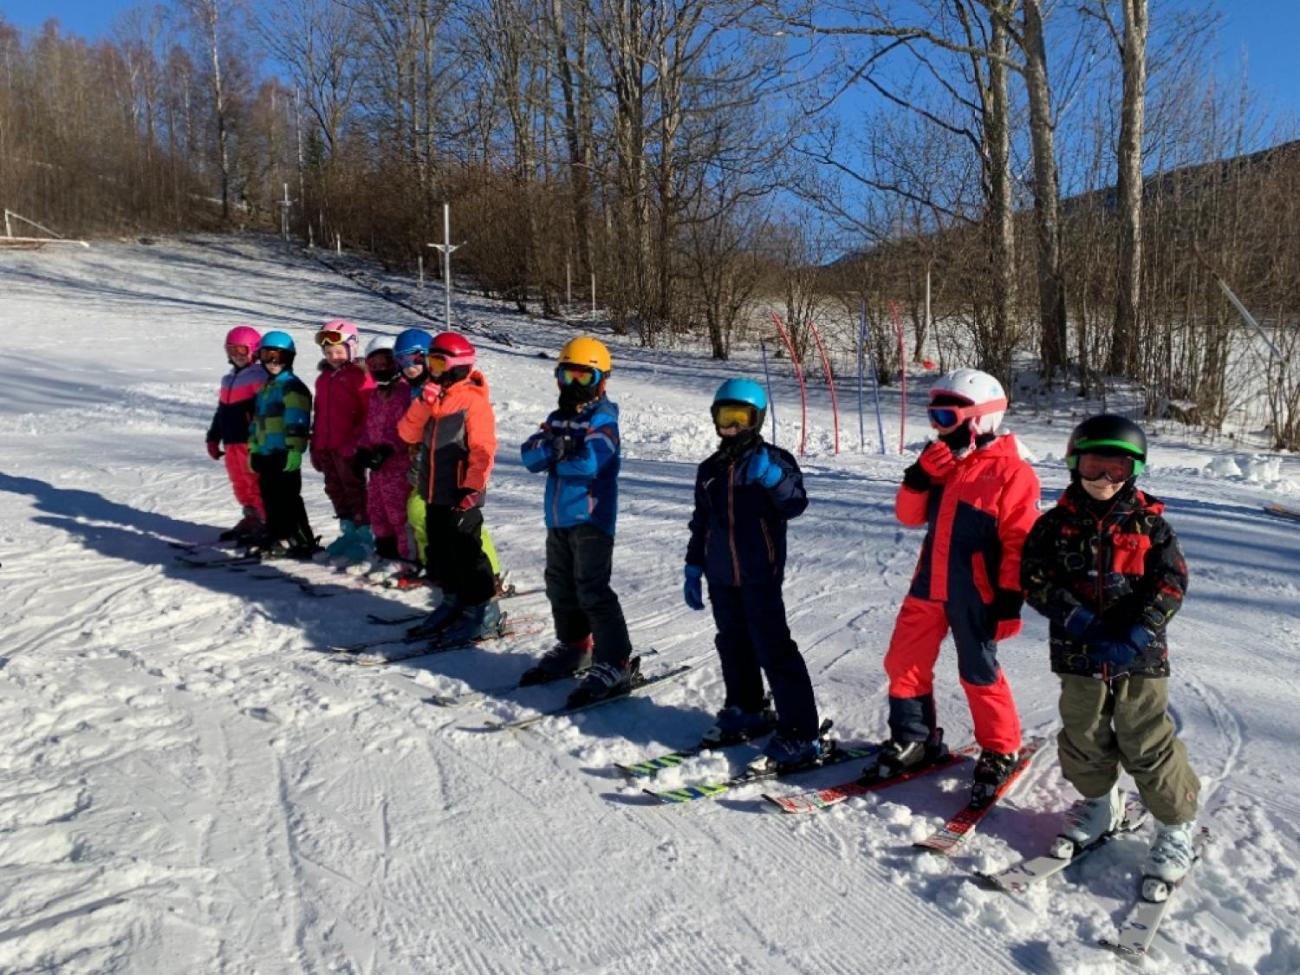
[
  {"x": 1122, "y": 562},
  {"x": 456, "y": 430},
  {"x": 582, "y": 486},
  {"x": 738, "y": 528},
  {"x": 384, "y": 411},
  {"x": 341, "y": 396},
  {"x": 977, "y": 520},
  {"x": 235, "y": 403},
  {"x": 281, "y": 416}
]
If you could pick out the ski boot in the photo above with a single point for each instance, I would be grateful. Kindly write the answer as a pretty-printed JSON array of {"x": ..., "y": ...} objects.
[
  {"x": 1168, "y": 861},
  {"x": 336, "y": 548},
  {"x": 896, "y": 757},
  {"x": 1087, "y": 821},
  {"x": 601, "y": 681},
  {"x": 562, "y": 660},
  {"x": 784, "y": 752},
  {"x": 248, "y": 527},
  {"x": 441, "y": 618},
  {"x": 734, "y": 725},
  {"x": 992, "y": 769},
  {"x": 481, "y": 621}
]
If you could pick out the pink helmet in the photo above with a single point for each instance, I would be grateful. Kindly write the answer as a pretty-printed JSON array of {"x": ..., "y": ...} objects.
[
  {"x": 339, "y": 332},
  {"x": 244, "y": 335}
]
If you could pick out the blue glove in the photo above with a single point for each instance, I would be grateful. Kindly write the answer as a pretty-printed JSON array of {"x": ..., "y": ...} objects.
[
  {"x": 1121, "y": 651},
  {"x": 693, "y": 591},
  {"x": 759, "y": 469},
  {"x": 1083, "y": 625}
]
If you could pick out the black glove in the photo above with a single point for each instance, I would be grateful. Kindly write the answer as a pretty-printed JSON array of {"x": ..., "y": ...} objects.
[
  {"x": 378, "y": 455},
  {"x": 916, "y": 478},
  {"x": 360, "y": 461},
  {"x": 563, "y": 445},
  {"x": 1006, "y": 604}
]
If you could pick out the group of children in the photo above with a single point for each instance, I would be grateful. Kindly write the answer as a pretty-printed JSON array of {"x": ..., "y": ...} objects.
[{"x": 1103, "y": 565}]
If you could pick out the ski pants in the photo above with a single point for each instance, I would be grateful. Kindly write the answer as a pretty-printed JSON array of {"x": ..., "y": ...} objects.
[
  {"x": 386, "y": 504},
  {"x": 242, "y": 480},
  {"x": 417, "y": 538},
  {"x": 454, "y": 554},
  {"x": 1125, "y": 722},
  {"x": 579, "y": 563},
  {"x": 345, "y": 489},
  {"x": 754, "y": 639},
  {"x": 909, "y": 663},
  {"x": 286, "y": 516}
]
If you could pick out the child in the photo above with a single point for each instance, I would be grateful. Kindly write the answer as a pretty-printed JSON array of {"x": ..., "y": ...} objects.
[
  {"x": 230, "y": 427},
  {"x": 452, "y": 420},
  {"x": 578, "y": 447},
  {"x": 385, "y": 455},
  {"x": 342, "y": 386},
  {"x": 276, "y": 441},
  {"x": 745, "y": 492},
  {"x": 978, "y": 499},
  {"x": 410, "y": 349},
  {"x": 1106, "y": 570}
]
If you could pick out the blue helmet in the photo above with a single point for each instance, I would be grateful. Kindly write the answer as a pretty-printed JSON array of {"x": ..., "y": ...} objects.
[
  {"x": 412, "y": 340},
  {"x": 744, "y": 392},
  {"x": 278, "y": 340}
]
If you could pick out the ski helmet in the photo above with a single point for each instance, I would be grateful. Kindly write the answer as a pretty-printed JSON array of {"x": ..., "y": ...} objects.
[
  {"x": 450, "y": 358},
  {"x": 377, "y": 346},
  {"x": 244, "y": 335},
  {"x": 979, "y": 398},
  {"x": 412, "y": 340},
  {"x": 339, "y": 332},
  {"x": 380, "y": 343},
  {"x": 742, "y": 393},
  {"x": 1109, "y": 435},
  {"x": 282, "y": 341},
  {"x": 589, "y": 352}
]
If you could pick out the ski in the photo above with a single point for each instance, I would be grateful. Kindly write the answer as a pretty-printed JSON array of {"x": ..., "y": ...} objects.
[
  {"x": 382, "y": 620},
  {"x": 953, "y": 833},
  {"x": 1139, "y": 928},
  {"x": 472, "y": 696},
  {"x": 838, "y": 754},
  {"x": 1019, "y": 877},
  {"x": 818, "y": 799},
  {"x": 1281, "y": 511},
  {"x": 509, "y": 626},
  {"x": 217, "y": 562},
  {"x": 640, "y": 683}
]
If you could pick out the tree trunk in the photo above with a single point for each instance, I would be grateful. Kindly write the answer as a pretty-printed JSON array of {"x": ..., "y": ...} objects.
[{"x": 1128, "y": 191}]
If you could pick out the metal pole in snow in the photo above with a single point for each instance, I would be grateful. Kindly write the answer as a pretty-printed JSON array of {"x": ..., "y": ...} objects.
[
  {"x": 862, "y": 351},
  {"x": 875, "y": 374},
  {"x": 771, "y": 400},
  {"x": 445, "y": 249},
  {"x": 419, "y": 261}
]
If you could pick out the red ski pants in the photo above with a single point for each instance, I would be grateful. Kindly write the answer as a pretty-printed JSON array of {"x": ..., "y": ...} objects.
[
  {"x": 243, "y": 480},
  {"x": 909, "y": 663}
]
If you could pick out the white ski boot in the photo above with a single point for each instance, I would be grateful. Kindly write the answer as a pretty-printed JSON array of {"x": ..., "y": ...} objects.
[
  {"x": 1169, "y": 859},
  {"x": 1087, "y": 820}
]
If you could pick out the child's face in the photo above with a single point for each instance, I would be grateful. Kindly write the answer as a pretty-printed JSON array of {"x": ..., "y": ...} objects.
[
  {"x": 335, "y": 355},
  {"x": 1101, "y": 490},
  {"x": 239, "y": 355},
  {"x": 413, "y": 372}
]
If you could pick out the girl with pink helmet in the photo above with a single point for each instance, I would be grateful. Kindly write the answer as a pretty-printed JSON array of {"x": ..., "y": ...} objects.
[{"x": 229, "y": 428}]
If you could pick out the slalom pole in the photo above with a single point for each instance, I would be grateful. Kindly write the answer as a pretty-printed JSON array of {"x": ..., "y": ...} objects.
[
  {"x": 862, "y": 352},
  {"x": 771, "y": 400},
  {"x": 875, "y": 375},
  {"x": 902, "y": 377},
  {"x": 798, "y": 375},
  {"x": 830, "y": 381}
]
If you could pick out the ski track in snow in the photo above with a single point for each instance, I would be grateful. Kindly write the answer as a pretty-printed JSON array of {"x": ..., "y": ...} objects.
[{"x": 192, "y": 785}]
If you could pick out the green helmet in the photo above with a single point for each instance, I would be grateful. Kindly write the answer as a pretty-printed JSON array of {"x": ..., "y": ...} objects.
[{"x": 1108, "y": 433}]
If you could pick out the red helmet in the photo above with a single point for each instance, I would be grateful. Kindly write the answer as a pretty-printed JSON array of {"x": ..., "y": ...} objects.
[{"x": 453, "y": 347}]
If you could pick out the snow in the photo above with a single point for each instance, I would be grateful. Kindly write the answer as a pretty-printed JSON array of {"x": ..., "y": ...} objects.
[{"x": 190, "y": 784}]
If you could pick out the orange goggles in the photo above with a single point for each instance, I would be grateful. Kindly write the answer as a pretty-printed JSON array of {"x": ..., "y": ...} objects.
[
  {"x": 236, "y": 350},
  {"x": 436, "y": 364}
]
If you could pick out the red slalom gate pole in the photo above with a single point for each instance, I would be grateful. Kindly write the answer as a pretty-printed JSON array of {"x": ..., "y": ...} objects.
[
  {"x": 830, "y": 381},
  {"x": 798, "y": 375}
]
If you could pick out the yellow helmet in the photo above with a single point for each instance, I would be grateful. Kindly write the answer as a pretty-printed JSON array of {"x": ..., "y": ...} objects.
[{"x": 586, "y": 351}]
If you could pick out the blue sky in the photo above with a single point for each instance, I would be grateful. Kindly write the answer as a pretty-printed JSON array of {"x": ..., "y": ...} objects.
[{"x": 1267, "y": 32}]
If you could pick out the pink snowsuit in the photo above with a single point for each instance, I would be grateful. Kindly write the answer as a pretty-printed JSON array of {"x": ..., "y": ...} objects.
[
  {"x": 389, "y": 485},
  {"x": 230, "y": 427},
  {"x": 340, "y": 417}
]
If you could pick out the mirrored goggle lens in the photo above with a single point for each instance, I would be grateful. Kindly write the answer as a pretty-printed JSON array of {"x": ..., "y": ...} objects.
[
  {"x": 734, "y": 415},
  {"x": 437, "y": 364},
  {"x": 236, "y": 350},
  {"x": 1093, "y": 467},
  {"x": 944, "y": 417},
  {"x": 273, "y": 355},
  {"x": 576, "y": 376},
  {"x": 330, "y": 337},
  {"x": 408, "y": 359},
  {"x": 381, "y": 360}
]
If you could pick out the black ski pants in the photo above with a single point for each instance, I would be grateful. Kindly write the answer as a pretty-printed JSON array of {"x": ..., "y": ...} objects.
[
  {"x": 286, "y": 515},
  {"x": 579, "y": 563},
  {"x": 454, "y": 554},
  {"x": 754, "y": 639}
]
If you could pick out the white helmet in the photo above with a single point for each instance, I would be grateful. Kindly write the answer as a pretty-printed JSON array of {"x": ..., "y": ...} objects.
[
  {"x": 980, "y": 390},
  {"x": 380, "y": 343}
]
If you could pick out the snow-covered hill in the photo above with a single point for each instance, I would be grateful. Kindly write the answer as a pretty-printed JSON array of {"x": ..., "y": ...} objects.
[{"x": 190, "y": 785}]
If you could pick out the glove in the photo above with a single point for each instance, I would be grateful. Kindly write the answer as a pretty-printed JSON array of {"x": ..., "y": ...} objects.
[
  {"x": 759, "y": 469},
  {"x": 937, "y": 461},
  {"x": 214, "y": 449},
  {"x": 565, "y": 445},
  {"x": 293, "y": 462},
  {"x": 1083, "y": 625},
  {"x": 1006, "y": 613},
  {"x": 468, "y": 499},
  {"x": 693, "y": 591},
  {"x": 360, "y": 461},
  {"x": 378, "y": 455}
]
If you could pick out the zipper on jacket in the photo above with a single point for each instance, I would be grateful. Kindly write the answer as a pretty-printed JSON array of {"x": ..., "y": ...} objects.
[{"x": 731, "y": 520}]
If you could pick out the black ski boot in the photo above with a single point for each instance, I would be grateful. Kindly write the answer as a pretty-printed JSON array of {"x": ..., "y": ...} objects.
[
  {"x": 896, "y": 757},
  {"x": 992, "y": 769}
]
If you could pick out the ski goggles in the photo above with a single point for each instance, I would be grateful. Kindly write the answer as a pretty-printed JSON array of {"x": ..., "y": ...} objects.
[
  {"x": 1095, "y": 467},
  {"x": 274, "y": 357},
  {"x": 726, "y": 415},
  {"x": 408, "y": 359},
  {"x": 236, "y": 350},
  {"x": 330, "y": 336},
  {"x": 571, "y": 375},
  {"x": 438, "y": 364},
  {"x": 382, "y": 359},
  {"x": 947, "y": 417}
]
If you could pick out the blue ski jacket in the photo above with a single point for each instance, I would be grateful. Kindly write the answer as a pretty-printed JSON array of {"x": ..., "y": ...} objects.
[
  {"x": 581, "y": 456},
  {"x": 738, "y": 528}
]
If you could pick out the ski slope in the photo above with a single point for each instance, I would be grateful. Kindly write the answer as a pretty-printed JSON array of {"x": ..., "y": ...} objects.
[{"x": 189, "y": 784}]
